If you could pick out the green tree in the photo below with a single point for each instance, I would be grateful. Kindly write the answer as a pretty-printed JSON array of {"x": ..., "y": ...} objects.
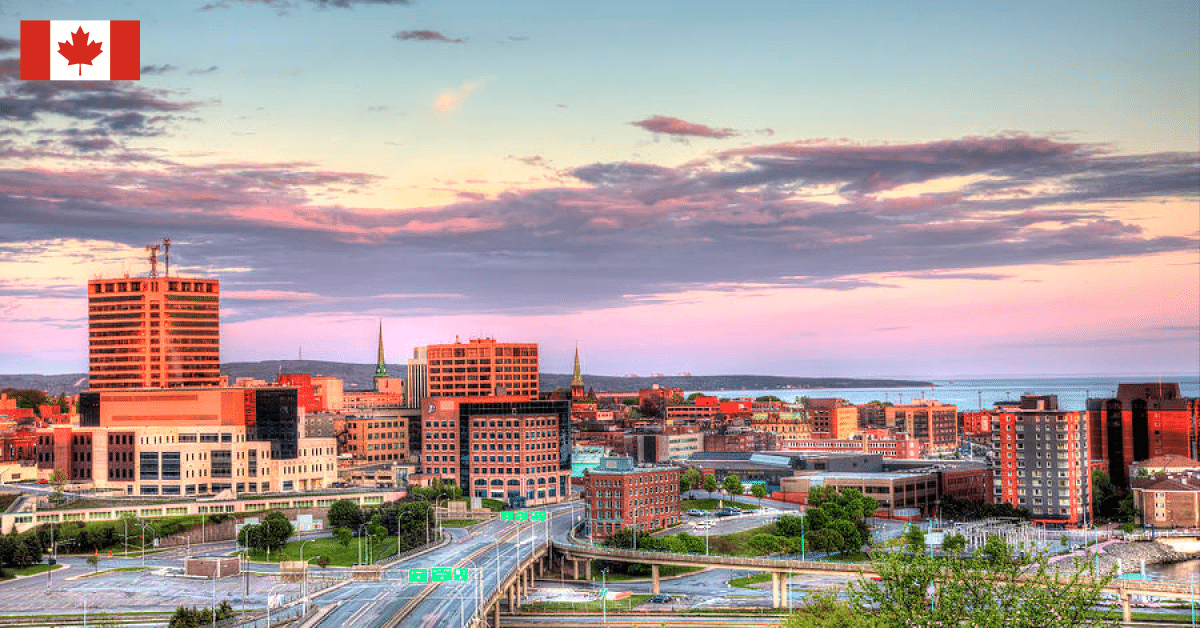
[
  {"x": 759, "y": 491},
  {"x": 914, "y": 539},
  {"x": 765, "y": 544},
  {"x": 345, "y": 513},
  {"x": 276, "y": 530},
  {"x": 919, "y": 590},
  {"x": 954, "y": 544},
  {"x": 789, "y": 525},
  {"x": 710, "y": 484},
  {"x": 995, "y": 551},
  {"x": 94, "y": 561},
  {"x": 823, "y": 609},
  {"x": 688, "y": 480},
  {"x": 692, "y": 397},
  {"x": 58, "y": 479},
  {"x": 732, "y": 485},
  {"x": 344, "y": 536}
]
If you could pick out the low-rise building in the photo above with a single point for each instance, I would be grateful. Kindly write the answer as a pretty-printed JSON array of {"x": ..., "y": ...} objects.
[
  {"x": 189, "y": 441},
  {"x": 619, "y": 494},
  {"x": 1168, "y": 501}
]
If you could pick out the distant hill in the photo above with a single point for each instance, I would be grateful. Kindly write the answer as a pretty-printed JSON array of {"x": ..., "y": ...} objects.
[{"x": 359, "y": 377}]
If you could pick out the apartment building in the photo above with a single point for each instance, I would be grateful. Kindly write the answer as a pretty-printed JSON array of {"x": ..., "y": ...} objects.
[{"x": 1041, "y": 456}]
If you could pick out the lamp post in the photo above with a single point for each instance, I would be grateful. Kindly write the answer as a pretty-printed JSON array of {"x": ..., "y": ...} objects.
[
  {"x": 360, "y": 554},
  {"x": 304, "y": 575},
  {"x": 604, "y": 596},
  {"x": 435, "y": 515},
  {"x": 143, "y": 525}
]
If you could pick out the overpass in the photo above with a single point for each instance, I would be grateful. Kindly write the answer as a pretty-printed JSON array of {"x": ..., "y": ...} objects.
[{"x": 578, "y": 553}]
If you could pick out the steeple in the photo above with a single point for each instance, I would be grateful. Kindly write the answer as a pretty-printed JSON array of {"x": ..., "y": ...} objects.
[
  {"x": 577, "y": 379},
  {"x": 380, "y": 367},
  {"x": 577, "y": 392}
]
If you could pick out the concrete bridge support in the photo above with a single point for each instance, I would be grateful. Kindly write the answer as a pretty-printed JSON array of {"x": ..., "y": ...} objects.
[
  {"x": 774, "y": 590},
  {"x": 1126, "y": 606},
  {"x": 654, "y": 579},
  {"x": 496, "y": 615}
]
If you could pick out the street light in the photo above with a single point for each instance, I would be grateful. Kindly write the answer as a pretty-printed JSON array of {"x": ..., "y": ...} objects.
[
  {"x": 304, "y": 574},
  {"x": 604, "y": 596},
  {"x": 360, "y": 554}
]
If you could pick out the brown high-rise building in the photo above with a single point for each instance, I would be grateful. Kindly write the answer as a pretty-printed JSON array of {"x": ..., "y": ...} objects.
[
  {"x": 483, "y": 367},
  {"x": 153, "y": 332},
  {"x": 1143, "y": 421}
]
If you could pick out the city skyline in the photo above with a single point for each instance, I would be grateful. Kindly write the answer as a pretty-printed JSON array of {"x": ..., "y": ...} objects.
[{"x": 762, "y": 188}]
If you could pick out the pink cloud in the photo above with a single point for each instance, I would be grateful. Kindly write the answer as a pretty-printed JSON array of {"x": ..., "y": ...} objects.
[{"x": 678, "y": 126}]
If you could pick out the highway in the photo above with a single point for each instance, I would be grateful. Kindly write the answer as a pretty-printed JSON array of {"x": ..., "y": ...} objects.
[{"x": 490, "y": 552}]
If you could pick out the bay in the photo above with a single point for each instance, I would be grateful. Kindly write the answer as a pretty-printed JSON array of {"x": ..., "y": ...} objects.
[{"x": 973, "y": 394}]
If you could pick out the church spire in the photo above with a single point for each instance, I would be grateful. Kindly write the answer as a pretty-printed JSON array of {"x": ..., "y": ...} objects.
[
  {"x": 577, "y": 379},
  {"x": 380, "y": 367}
]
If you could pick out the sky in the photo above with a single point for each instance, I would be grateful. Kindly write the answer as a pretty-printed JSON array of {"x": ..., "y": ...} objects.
[{"x": 921, "y": 189}]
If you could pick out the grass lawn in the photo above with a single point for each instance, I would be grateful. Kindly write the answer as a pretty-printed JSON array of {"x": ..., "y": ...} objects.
[
  {"x": 713, "y": 504},
  {"x": 664, "y": 571},
  {"x": 460, "y": 523},
  {"x": 30, "y": 570},
  {"x": 593, "y": 606},
  {"x": 338, "y": 555},
  {"x": 745, "y": 581},
  {"x": 114, "y": 570}
]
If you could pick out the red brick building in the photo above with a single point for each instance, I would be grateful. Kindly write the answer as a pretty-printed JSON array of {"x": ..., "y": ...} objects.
[
  {"x": 934, "y": 424},
  {"x": 1143, "y": 421},
  {"x": 509, "y": 448},
  {"x": 1170, "y": 501},
  {"x": 834, "y": 417},
  {"x": 619, "y": 495}
]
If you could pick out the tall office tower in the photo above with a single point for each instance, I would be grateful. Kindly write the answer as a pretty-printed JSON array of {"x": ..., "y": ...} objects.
[
  {"x": 483, "y": 366},
  {"x": 1143, "y": 421},
  {"x": 1041, "y": 456},
  {"x": 416, "y": 387},
  {"x": 153, "y": 332}
]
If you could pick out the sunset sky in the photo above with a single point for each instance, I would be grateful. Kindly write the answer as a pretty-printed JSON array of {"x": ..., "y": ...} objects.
[{"x": 919, "y": 189}]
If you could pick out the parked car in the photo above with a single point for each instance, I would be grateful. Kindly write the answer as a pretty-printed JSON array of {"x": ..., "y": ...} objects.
[
  {"x": 695, "y": 512},
  {"x": 660, "y": 599},
  {"x": 728, "y": 512}
]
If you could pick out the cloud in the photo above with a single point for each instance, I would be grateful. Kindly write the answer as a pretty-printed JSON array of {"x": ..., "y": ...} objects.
[
  {"x": 8, "y": 45},
  {"x": 450, "y": 99},
  {"x": 209, "y": 70},
  {"x": 285, "y": 5},
  {"x": 426, "y": 35},
  {"x": 830, "y": 216},
  {"x": 149, "y": 70},
  {"x": 677, "y": 126}
]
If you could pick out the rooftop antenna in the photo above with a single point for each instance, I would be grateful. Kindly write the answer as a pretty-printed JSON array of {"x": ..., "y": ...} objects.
[
  {"x": 167, "y": 256},
  {"x": 153, "y": 251}
]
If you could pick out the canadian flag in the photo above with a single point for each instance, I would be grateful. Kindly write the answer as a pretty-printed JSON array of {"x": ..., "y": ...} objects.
[{"x": 80, "y": 50}]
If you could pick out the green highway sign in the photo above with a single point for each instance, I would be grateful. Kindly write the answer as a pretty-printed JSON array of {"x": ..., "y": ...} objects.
[
  {"x": 440, "y": 574},
  {"x": 524, "y": 516}
]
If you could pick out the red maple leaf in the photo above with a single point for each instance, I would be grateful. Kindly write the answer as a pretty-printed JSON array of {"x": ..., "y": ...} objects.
[{"x": 78, "y": 50}]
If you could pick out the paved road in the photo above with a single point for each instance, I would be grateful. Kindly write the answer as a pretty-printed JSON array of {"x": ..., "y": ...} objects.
[{"x": 490, "y": 552}]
